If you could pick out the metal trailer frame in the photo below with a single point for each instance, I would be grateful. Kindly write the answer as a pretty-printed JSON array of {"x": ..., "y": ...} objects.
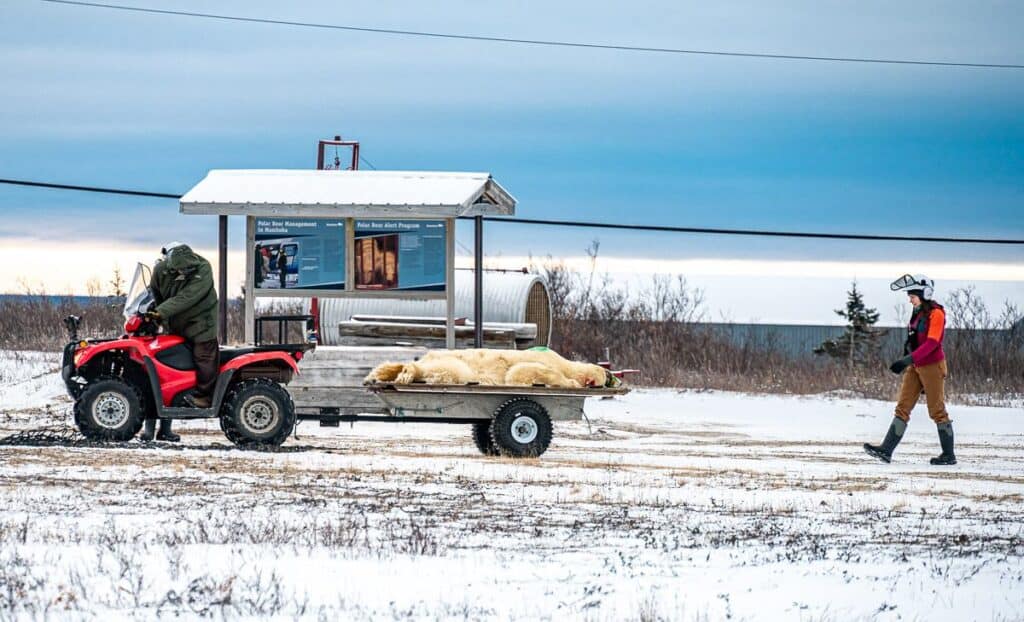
[{"x": 479, "y": 405}]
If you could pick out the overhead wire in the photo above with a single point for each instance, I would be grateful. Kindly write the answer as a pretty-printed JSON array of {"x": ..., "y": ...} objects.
[
  {"x": 53, "y": 186},
  {"x": 535, "y": 42},
  {"x": 592, "y": 224}
]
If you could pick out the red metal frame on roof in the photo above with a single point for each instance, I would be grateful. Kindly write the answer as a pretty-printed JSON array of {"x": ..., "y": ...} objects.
[{"x": 337, "y": 142}]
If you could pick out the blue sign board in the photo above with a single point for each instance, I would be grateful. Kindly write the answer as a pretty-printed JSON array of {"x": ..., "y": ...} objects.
[
  {"x": 406, "y": 255},
  {"x": 299, "y": 253}
]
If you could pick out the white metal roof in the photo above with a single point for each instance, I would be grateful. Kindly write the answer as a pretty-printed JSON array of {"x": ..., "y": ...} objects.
[{"x": 359, "y": 194}]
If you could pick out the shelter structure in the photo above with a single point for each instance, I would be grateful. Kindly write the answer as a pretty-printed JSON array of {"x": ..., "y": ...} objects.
[{"x": 349, "y": 233}]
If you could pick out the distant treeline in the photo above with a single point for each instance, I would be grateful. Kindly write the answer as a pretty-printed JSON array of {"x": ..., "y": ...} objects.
[{"x": 82, "y": 301}]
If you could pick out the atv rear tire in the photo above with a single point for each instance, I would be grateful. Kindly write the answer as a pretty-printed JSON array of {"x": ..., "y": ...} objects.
[
  {"x": 109, "y": 409},
  {"x": 482, "y": 438},
  {"x": 257, "y": 412},
  {"x": 521, "y": 428}
]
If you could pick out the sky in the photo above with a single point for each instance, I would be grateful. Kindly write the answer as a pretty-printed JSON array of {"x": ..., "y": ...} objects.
[{"x": 108, "y": 98}]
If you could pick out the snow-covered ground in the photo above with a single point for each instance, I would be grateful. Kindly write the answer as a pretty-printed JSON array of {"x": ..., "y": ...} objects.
[{"x": 671, "y": 505}]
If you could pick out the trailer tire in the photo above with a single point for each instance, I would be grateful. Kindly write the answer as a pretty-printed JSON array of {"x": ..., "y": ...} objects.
[
  {"x": 482, "y": 438},
  {"x": 257, "y": 411},
  {"x": 109, "y": 409},
  {"x": 521, "y": 428}
]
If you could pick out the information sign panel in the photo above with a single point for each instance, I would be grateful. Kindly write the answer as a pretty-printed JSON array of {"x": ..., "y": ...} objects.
[
  {"x": 299, "y": 253},
  {"x": 404, "y": 255}
]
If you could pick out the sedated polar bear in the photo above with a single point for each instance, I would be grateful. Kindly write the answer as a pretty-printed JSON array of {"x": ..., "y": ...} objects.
[{"x": 493, "y": 367}]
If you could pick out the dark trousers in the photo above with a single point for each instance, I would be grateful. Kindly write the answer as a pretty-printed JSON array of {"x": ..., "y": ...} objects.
[{"x": 207, "y": 357}]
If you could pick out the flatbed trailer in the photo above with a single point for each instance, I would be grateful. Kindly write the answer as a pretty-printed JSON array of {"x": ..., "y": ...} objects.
[{"x": 507, "y": 420}]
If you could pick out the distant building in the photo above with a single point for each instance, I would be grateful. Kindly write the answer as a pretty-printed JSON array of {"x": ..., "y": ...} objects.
[{"x": 798, "y": 340}]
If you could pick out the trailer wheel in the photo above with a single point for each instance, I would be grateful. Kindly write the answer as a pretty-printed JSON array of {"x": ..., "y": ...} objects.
[
  {"x": 521, "y": 428},
  {"x": 482, "y": 438},
  {"x": 109, "y": 409},
  {"x": 257, "y": 411}
]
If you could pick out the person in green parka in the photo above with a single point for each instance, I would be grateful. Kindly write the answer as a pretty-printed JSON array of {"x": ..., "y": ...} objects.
[{"x": 186, "y": 303}]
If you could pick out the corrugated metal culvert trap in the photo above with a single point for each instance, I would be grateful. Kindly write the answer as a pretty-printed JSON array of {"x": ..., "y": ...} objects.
[
  {"x": 509, "y": 297},
  {"x": 538, "y": 311}
]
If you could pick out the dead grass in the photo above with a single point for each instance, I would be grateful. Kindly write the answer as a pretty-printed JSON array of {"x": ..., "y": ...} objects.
[
  {"x": 661, "y": 330},
  {"x": 35, "y": 320}
]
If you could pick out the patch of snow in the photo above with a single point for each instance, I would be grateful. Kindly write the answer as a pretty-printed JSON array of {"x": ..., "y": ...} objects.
[
  {"x": 669, "y": 505},
  {"x": 29, "y": 379}
]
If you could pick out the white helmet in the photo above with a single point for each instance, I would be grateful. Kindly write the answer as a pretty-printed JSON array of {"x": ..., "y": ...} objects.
[
  {"x": 166, "y": 250},
  {"x": 914, "y": 283}
]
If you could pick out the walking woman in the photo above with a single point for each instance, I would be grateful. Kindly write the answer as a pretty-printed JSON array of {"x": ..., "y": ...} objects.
[{"x": 923, "y": 368}]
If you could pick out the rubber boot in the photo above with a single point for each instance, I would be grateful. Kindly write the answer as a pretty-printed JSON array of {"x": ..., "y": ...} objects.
[
  {"x": 165, "y": 433},
  {"x": 892, "y": 438},
  {"x": 148, "y": 430},
  {"x": 946, "y": 441}
]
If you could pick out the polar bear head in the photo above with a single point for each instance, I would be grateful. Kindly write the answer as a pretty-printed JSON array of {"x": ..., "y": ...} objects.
[{"x": 589, "y": 375}]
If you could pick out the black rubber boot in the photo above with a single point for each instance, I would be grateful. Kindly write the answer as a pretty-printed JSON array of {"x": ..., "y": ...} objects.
[
  {"x": 148, "y": 430},
  {"x": 892, "y": 438},
  {"x": 946, "y": 441},
  {"x": 165, "y": 433}
]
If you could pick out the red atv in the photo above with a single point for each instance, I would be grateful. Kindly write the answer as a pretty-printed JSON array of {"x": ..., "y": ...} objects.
[{"x": 119, "y": 383}]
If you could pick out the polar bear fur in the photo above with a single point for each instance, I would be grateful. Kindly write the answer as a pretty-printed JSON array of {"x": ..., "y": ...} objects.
[{"x": 492, "y": 367}]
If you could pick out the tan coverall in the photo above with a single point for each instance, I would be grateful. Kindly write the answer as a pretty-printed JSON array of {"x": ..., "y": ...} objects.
[{"x": 931, "y": 379}]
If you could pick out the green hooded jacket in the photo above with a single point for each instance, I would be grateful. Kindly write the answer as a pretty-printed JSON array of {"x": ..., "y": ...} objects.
[{"x": 183, "y": 288}]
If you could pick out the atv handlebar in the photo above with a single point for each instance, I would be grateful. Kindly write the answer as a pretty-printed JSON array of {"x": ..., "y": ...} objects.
[{"x": 72, "y": 323}]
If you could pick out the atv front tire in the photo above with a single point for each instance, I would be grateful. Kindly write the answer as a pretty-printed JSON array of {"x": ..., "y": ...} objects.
[
  {"x": 109, "y": 409},
  {"x": 257, "y": 411}
]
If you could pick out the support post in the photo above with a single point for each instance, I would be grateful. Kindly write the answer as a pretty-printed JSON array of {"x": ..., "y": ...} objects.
[
  {"x": 249, "y": 311},
  {"x": 222, "y": 281},
  {"x": 478, "y": 282},
  {"x": 449, "y": 285}
]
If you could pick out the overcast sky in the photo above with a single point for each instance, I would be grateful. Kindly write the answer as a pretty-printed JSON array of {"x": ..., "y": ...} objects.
[{"x": 102, "y": 97}]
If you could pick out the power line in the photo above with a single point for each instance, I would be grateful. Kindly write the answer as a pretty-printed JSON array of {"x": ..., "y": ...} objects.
[
  {"x": 535, "y": 42},
  {"x": 749, "y": 232},
  {"x": 589, "y": 224},
  {"x": 135, "y": 193}
]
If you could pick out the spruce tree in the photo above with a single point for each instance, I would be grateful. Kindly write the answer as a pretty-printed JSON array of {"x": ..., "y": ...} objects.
[{"x": 860, "y": 341}]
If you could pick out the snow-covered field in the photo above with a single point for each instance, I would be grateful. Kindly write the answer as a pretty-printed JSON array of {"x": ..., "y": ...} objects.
[{"x": 673, "y": 505}]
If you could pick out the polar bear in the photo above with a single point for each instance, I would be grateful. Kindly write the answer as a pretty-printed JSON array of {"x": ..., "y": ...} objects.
[
  {"x": 493, "y": 367},
  {"x": 436, "y": 371}
]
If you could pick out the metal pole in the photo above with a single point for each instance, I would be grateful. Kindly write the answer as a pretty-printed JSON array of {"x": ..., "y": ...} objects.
[
  {"x": 249, "y": 311},
  {"x": 478, "y": 282},
  {"x": 222, "y": 302},
  {"x": 449, "y": 285}
]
